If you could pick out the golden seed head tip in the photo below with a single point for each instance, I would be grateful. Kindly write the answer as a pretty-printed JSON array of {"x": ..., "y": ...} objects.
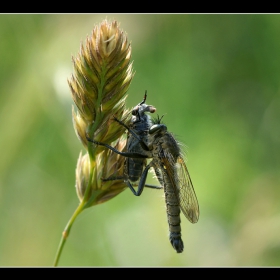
[{"x": 102, "y": 75}]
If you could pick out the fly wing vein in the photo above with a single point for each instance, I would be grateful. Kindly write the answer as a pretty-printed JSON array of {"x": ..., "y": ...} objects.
[{"x": 182, "y": 185}]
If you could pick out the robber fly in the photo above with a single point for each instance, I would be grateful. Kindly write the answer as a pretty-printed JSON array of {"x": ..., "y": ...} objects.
[
  {"x": 173, "y": 175},
  {"x": 160, "y": 146}
]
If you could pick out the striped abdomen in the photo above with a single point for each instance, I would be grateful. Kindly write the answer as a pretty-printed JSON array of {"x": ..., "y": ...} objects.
[{"x": 173, "y": 214}]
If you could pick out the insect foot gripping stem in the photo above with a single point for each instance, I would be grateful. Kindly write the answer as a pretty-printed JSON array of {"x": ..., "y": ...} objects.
[{"x": 176, "y": 242}]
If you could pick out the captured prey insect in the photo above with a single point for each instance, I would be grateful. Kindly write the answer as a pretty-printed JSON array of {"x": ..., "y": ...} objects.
[
  {"x": 156, "y": 143},
  {"x": 139, "y": 125},
  {"x": 137, "y": 150}
]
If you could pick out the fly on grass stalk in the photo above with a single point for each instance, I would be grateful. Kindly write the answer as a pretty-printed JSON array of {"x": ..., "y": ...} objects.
[{"x": 152, "y": 140}]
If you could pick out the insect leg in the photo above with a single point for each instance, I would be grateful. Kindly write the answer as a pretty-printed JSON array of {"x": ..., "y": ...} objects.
[
  {"x": 113, "y": 178},
  {"x": 123, "y": 178},
  {"x": 125, "y": 154},
  {"x": 143, "y": 144},
  {"x": 142, "y": 181},
  {"x": 159, "y": 177},
  {"x": 128, "y": 128},
  {"x": 153, "y": 187}
]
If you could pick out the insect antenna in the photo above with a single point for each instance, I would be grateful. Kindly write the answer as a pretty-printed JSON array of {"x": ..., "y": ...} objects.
[{"x": 145, "y": 97}]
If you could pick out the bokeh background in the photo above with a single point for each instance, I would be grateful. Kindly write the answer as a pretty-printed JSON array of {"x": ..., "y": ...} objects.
[{"x": 215, "y": 77}]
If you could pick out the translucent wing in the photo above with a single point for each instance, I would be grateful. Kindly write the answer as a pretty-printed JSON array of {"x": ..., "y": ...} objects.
[
  {"x": 187, "y": 197},
  {"x": 182, "y": 185}
]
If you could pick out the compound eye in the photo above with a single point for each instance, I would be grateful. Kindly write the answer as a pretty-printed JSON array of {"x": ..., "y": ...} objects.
[
  {"x": 154, "y": 128},
  {"x": 135, "y": 110},
  {"x": 157, "y": 128}
]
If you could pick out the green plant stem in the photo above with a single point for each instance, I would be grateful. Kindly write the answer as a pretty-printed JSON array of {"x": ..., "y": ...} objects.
[
  {"x": 83, "y": 204},
  {"x": 66, "y": 231}
]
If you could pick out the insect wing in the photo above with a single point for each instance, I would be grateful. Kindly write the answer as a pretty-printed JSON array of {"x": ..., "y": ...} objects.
[
  {"x": 182, "y": 186},
  {"x": 187, "y": 197}
]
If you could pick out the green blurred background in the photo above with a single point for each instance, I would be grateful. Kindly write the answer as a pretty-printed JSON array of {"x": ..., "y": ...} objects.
[{"x": 215, "y": 77}]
